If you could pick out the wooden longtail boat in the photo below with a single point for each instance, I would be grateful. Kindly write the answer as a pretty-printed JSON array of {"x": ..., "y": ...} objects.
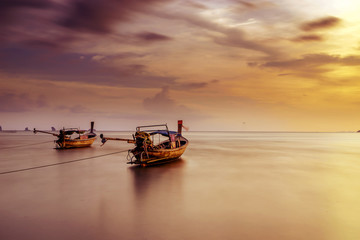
[
  {"x": 73, "y": 137},
  {"x": 154, "y": 145}
]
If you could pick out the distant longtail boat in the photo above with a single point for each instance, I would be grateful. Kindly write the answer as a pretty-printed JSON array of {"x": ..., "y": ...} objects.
[{"x": 72, "y": 137}]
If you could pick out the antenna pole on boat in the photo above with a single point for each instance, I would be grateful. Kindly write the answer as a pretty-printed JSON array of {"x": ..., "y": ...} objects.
[
  {"x": 92, "y": 127},
  {"x": 54, "y": 134},
  {"x": 180, "y": 123}
]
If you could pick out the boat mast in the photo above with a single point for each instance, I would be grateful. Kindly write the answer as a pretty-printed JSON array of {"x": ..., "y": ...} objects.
[{"x": 180, "y": 123}]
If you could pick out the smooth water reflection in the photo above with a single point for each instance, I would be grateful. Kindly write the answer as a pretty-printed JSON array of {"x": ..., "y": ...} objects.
[{"x": 226, "y": 186}]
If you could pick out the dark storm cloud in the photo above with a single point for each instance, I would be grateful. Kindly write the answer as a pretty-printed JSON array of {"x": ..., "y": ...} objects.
[
  {"x": 322, "y": 23},
  {"x": 99, "y": 16}
]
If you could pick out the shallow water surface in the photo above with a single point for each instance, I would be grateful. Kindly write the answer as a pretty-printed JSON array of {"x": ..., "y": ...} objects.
[{"x": 226, "y": 186}]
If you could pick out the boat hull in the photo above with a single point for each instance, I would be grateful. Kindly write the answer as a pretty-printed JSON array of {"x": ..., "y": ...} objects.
[
  {"x": 160, "y": 155},
  {"x": 76, "y": 143}
]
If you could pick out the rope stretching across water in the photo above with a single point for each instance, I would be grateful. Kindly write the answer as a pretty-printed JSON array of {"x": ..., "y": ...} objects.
[
  {"x": 26, "y": 145},
  {"x": 61, "y": 163}
]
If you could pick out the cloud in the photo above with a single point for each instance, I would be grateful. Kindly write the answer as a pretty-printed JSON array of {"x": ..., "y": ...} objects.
[
  {"x": 152, "y": 37},
  {"x": 220, "y": 34},
  {"x": 284, "y": 74},
  {"x": 247, "y": 4},
  {"x": 193, "y": 85},
  {"x": 62, "y": 24},
  {"x": 314, "y": 63},
  {"x": 160, "y": 102},
  {"x": 196, "y": 5},
  {"x": 308, "y": 38},
  {"x": 93, "y": 16},
  {"x": 253, "y": 64},
  {"x": 163, "y": 104},
  {"x": 59, "y": 24},
  {"x": 307, "y": 61},
  {"x": 318, "y": 24},
  {"x": 41, "y": 101},
  {"x": 238, "y": 39},
  {"x": 322, "y": 23},
  {"x": 77, "y": 108},
  {"x": 24, "y": 19},
  {"x": 20, "y": 102},
  {"x": 98, "y": 16},
  {"x": 116, "y": 70},
  {"x": 9, "y": 8}
]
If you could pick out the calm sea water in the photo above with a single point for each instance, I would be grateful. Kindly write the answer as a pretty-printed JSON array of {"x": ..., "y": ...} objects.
[{"x": 226, "y": 186}]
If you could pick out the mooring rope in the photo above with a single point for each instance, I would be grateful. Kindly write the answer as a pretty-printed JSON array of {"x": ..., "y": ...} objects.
[
  {"x": 61, "y": 163},
  {"x": 31, "y": 144}
]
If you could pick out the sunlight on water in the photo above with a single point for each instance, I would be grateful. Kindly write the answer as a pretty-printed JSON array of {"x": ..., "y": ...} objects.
[{"x": 226, "y": 186}]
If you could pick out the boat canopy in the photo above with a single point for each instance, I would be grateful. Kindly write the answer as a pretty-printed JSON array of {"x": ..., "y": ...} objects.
[
  {"x": 72, "y": 131},
  {"x": 163, "y": 132}
]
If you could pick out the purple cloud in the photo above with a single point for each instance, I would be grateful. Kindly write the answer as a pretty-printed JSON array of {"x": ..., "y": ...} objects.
[
  {"x": 20, "y": 102},
  {"x": 152, "y": 37},
  {"x": 75, "y": 67},
  {"x": 98, "y": 16},
  {"x": 9, "y": 8}
]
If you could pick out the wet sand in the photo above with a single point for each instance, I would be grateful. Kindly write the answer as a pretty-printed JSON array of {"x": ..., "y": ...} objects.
[{"x": 226, "y": 186}]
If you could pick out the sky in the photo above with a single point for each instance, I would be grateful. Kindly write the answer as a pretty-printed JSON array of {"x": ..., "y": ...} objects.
[{"x": 232, "y": 65}]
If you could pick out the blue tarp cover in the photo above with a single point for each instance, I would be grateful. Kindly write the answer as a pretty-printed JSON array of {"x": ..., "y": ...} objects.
[{"x": 163, "y": 132}]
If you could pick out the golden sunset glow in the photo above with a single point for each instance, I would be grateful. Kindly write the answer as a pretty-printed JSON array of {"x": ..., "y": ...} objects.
[{"x": 219, "y": 65}]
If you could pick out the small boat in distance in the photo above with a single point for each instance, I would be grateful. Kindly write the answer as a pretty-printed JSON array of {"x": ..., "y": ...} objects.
[
  {"x": 72, "y": 137},
  {"x": 154, "y": 144}
]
